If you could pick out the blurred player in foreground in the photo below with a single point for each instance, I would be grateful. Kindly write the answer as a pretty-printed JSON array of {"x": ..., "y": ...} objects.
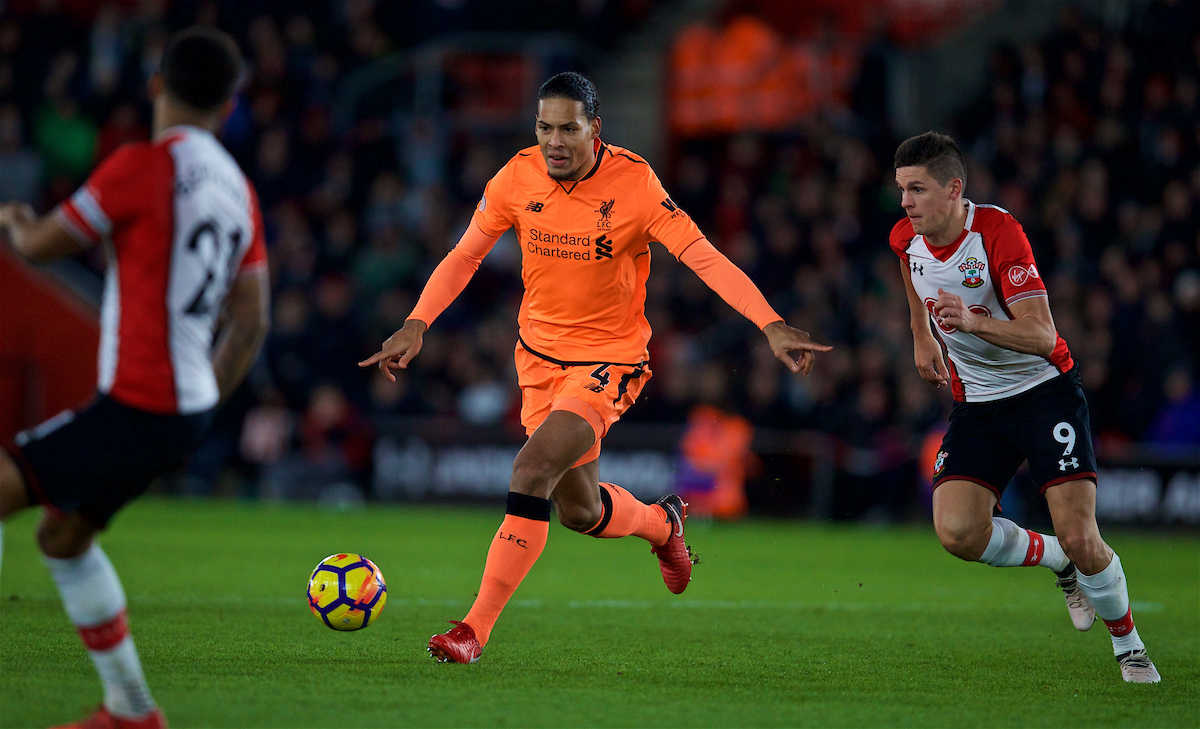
[
  {"x": 182, "y": 230},
  {"x": 585, "y": 213},
  {"x": 1016, "y": 391}
]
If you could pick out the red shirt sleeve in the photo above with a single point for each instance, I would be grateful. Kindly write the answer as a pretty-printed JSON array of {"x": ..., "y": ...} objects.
[
  {"x": 111, "y": 195},
  {"x": 1010, "y": 257},
  {"x": 901, "y": 237},
  {"x": 256, "y": 254}
]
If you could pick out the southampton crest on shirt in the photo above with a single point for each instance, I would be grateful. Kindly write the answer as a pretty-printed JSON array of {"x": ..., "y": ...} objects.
[
  {"x": 605, "y": 210},
  {"x": 972, "y": 270}
]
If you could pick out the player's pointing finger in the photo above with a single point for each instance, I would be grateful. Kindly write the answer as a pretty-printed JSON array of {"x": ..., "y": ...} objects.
[
  {"x": 813, "y": 346},
  {"x": 372, "y": 359}
]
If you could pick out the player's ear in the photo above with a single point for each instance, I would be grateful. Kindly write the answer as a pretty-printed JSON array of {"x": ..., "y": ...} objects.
[
  {"x": 956, "y": 188},
  {"x": 595, "y": 126}
]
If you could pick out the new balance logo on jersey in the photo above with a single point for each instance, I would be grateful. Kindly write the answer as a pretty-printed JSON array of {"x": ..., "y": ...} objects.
[
  {"x": 534, "y": 207},
  {"x": 603, "y": 248},
  {"x": 1065, "y": 463}
]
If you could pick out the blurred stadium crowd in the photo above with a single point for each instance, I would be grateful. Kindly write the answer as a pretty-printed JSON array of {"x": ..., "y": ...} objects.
[{"x": 1089, "y": 136}]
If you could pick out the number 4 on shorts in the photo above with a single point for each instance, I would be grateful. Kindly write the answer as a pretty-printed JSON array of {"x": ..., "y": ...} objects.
[{"x": 600, "y": 374}]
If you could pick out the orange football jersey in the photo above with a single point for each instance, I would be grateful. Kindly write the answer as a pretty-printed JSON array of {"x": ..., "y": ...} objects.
[{"x": 585, "y": 251}]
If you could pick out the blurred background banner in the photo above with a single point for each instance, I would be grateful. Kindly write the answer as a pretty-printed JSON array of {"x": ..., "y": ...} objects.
[{"x": 370, "y": 129}]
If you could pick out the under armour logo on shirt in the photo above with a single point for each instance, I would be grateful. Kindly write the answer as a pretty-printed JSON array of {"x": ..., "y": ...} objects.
[
  {"x": 1064, "y": 464},
  {"x": 918, "y": 268}
]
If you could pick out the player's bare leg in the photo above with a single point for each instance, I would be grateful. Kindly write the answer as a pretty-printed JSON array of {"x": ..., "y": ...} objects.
[
  {"x": 962, "y": 517},
  {"x": 1100, "y": 576},
  {"x": 13, "y": 496},
  {"x": 607, "y": 511},
  {"x": 551, "y": 450},
  {"x": 1073, "y": 509},
  {"x": 576, "y": 497}
]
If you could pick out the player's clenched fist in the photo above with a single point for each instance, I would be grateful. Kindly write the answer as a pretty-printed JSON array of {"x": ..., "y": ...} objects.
[
  {"x": 785, "y": 340},
  {"x": 952, "y": 311},
  {"x": 399, "y": 349}
]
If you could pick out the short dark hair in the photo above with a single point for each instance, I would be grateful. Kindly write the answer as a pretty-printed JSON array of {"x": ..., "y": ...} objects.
[
  {"x": 201, "y": 67},
  {"x": 573, "y": 86},
  {"x": 937, "y": 153}
]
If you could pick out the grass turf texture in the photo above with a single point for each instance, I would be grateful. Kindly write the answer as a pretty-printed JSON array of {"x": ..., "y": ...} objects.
[{"x": 775, "y": 629}]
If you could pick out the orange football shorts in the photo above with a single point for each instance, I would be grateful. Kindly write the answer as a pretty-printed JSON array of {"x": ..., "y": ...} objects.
[{"x": 598, "y": 393}]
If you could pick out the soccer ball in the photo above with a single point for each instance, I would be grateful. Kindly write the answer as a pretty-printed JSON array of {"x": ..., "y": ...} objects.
[{"x": 347, "y": 591}]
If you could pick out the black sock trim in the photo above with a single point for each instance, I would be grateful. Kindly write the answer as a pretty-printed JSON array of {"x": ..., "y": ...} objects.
[
  {"x": 606, "y": 501},
  {"x": 528, "y": 507},
  {"x": 1068, "y": 571}
]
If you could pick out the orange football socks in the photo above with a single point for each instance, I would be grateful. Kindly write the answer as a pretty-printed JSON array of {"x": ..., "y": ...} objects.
[
  {"x": 518, "y": 544},
  {"x": 624, "y": 515}
]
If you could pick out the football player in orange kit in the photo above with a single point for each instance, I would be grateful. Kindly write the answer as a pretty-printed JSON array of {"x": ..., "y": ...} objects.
[{"x": 585, "y": 213}]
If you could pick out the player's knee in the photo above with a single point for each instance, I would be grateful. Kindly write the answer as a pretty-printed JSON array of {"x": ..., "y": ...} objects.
[
  {"x": 63, "y": 538},
  {"x": 535, "y": 477},
  {"x": 963, "y": 540},
  {"x": 13, "y": 496},
  {"x": 578, "y": 517},
  {"x": 1083, "y": 547}
]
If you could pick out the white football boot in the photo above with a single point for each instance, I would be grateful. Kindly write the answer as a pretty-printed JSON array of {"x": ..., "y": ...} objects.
[
  {"x": 1136, "y": 667},
  {"x": 1081, "y": 611}
]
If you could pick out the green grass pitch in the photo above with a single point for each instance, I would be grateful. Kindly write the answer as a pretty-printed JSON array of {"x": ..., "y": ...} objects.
[{"x": 784, "y": 624}]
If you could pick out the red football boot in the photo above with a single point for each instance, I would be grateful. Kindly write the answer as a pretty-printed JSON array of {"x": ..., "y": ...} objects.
[
  {"x": 457, "y": 645},
  {"x": 675, "y": 557},
  {"x": 101, "y": 719}
]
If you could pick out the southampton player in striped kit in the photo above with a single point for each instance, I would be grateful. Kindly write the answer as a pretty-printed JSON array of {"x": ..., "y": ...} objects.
[
  {"x": 969, "y": 271},
  {"x": 183, "y": 235}
]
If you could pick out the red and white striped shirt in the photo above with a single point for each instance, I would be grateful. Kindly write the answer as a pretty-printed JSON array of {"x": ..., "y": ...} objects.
[
  {"x": 179, "y": 222},
  {"x": 991, "y": 267}
]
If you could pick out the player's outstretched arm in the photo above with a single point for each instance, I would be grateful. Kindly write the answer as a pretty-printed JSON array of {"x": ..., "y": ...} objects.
[
  {"x": 736, "y": 288},
  {"x": 249, "y": 306},
  {"x": 927, "y": 353},
  {"x": 37, "y": 239},
  {"x": 445, "y": 284},
  {"x": 1031, "y": 330}
]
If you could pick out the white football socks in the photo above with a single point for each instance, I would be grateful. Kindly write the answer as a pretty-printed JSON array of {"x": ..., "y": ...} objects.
[
  {"x": 1109, "y": 594},
  {"x": 1013, "y": 546},
  {"x": 94, "y": 600}
]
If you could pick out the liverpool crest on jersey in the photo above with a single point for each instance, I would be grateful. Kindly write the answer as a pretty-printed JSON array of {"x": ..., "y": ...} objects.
[
  {"x": 972, "y": 270},
  {"x": 605, "y": 210}
]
